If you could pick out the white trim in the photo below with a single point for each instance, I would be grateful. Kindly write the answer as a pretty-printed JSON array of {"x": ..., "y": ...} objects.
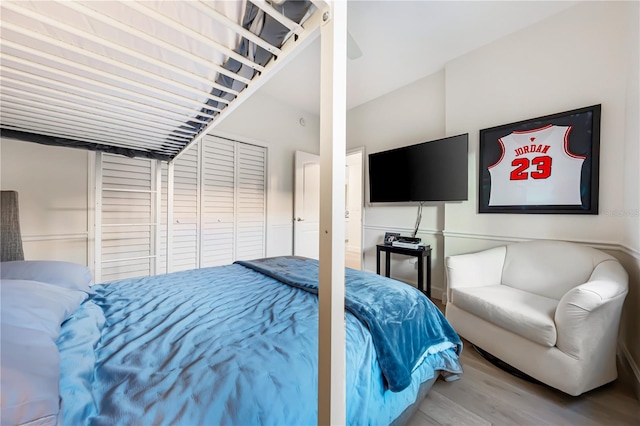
[
  {"x": 635, "y": 253},
  {"x": 635, "y": 369},
  {"x": 595, "y": 244},
  {"x": 56, "y": 237}
]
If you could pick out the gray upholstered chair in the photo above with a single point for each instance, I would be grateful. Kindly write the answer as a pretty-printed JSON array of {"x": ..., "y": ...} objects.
[{"x": 11, "y": 241}]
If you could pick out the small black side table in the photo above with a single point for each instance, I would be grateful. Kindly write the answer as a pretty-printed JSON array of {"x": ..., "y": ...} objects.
[{"x": 420, "y": 254}]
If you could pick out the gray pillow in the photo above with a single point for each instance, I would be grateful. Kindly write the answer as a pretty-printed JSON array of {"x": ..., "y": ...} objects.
[
  {"x": 30, "y": 318},
  {"x": 63, "y": 274}
]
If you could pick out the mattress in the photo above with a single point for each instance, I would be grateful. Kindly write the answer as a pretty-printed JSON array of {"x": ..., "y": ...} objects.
[{"x": 223, "y": 345}]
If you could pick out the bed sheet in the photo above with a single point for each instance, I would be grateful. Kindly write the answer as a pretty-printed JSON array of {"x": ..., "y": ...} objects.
[{"x": 223, "y": 345}]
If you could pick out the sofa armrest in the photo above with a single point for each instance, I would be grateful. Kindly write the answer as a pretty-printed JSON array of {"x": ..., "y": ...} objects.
[
  {"x": 610, "y": 270},
  {"x": 475, "y": 269},
  {"x": 588, "y": 316}
]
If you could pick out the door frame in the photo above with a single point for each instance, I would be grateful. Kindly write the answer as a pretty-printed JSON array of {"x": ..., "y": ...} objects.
[{"x": 362, "y": 152}]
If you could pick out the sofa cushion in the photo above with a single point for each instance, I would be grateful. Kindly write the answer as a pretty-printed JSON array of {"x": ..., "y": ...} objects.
[
  {"x": 549, "y": 268},
  {"x": 526, "y": 314}
]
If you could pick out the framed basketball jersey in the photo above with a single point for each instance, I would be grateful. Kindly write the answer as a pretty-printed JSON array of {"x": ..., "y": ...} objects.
[{"x": 547, "y": 164}]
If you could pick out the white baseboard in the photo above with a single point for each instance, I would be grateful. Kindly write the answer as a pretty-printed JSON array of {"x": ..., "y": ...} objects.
[
  {"x": 631, "y": 366},
  {"x": 436, "y": 292}
]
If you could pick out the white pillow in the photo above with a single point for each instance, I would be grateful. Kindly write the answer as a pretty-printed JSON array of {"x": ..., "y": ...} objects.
[{"x": 63, "y": 274}]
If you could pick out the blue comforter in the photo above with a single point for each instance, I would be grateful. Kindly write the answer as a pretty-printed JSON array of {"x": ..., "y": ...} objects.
[
  {"x": 403, "y": 323},
  {"x": 224, "y": 345}
]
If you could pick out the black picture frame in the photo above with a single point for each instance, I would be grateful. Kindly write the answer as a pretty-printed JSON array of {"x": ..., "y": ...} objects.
[
  {"x": 390, "y": 237},
  {"x": 533, "y": 175}
]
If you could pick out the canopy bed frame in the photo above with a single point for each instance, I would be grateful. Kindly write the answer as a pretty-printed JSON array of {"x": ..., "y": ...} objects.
[{"x": 161, "y": 77}]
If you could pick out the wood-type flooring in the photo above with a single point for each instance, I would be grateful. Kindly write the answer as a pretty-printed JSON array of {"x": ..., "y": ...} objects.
[{"x": 487, "y": 395}]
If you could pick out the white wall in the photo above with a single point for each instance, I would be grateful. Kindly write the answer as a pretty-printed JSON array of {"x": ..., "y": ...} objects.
[
  {"x": 631, "y": 207},
  {"x": 574, "y": 59},
  {"x": 52, "y": 185},
  {"x": 407, "y": 116},
  {"x": 580, "y": 57}
]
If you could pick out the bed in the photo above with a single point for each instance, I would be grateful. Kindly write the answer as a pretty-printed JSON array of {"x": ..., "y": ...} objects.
[
  {"x": 235, "y": 344},
  {"x": 150, "y": 79}
]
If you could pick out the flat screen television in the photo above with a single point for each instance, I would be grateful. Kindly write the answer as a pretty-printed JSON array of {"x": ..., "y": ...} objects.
[{"x": 428, "y": 171}]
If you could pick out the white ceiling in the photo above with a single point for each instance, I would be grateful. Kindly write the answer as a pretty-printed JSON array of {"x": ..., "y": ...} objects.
[{"x": 404, "y": 41}]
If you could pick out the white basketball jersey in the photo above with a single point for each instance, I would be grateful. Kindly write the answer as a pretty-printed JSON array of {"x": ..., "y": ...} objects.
[{"x": 536, "y": 168}]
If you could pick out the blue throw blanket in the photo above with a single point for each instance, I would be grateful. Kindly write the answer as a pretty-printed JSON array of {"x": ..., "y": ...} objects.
[{"x": 403, "y": 322}]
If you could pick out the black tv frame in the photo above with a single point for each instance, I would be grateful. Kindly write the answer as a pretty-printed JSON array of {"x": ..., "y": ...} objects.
[{"x": 388, "y": 155}]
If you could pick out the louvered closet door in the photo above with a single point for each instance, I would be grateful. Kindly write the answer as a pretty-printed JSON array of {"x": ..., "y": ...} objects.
[
  {"x": 217, "y": 210},
  {"x": 218, "y": 202},
  {"x": 233, "y": 201},
  {"x": 251, "y": 201},
  {"x": 186, "y": 211},
  {"x": 126, "y": 217}
]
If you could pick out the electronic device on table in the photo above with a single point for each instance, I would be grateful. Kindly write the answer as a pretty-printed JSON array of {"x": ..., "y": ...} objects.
[{"x": 409, "y": 242}]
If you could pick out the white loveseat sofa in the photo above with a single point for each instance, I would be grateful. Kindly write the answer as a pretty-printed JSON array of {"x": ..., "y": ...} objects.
[{"x": 551, "y": 309}]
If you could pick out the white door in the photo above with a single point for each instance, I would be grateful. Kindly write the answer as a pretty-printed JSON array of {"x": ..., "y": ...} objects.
[
  {"x": 306, "y": 206},
  {"x": 306, "y": 211}
]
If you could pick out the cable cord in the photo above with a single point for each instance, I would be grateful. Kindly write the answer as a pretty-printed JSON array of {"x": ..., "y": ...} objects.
[{"x": 418, "y": 220}]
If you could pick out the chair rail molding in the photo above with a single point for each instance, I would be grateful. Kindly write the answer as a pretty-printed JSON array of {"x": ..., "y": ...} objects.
[
  {"x": 595, "y": 244},
  {"x": 55, "y": 237}
]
